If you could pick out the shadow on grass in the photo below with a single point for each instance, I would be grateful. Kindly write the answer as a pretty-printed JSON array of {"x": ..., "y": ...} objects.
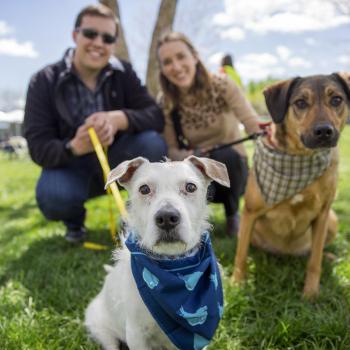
[
  {"x": 20, "y": 211},
  {"x": 269, "y": 312},
  {"x": 59, "y": 275},
  {"x": 12, "y": 233}
]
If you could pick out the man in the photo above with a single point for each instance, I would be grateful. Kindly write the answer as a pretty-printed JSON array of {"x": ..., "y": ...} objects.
[{"x": 87, "y": 88}]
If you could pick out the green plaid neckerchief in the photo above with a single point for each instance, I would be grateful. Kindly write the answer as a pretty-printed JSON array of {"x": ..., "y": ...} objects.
[{"x": 280, "y": 175}]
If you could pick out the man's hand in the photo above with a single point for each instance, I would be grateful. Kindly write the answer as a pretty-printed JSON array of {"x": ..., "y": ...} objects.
[
  {"x": 106, "y": 125},
  {"x": 81, "y": 143},
  {"x": 103, "y": 127}
]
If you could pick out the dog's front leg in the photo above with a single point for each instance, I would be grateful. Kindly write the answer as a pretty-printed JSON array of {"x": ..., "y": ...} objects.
[
  {"x": 244, "y": 235},
  {"x": 136, "y": 334},
  {"x": 313, "y": 272}
]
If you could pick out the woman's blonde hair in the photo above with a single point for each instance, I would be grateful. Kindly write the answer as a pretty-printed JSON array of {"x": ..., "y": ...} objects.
[{"x": 201, "y": 79}]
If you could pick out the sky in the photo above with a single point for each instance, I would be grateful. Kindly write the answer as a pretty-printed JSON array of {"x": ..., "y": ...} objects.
[{"x": 268, "y": 38}]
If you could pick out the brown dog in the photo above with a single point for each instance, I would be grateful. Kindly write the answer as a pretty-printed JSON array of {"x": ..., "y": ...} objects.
[{"x": 293, "y": 182}]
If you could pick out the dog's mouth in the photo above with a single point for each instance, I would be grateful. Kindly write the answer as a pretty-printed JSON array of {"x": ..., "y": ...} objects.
[
  {"x": 168, "y": 236},
  {"x": 169, "y": 243}
]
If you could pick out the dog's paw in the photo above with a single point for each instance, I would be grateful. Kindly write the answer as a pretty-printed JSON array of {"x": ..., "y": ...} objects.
[
  {"x": 238, "y": 276},
  {"x": 330, "y": 256},
  {"x": 108, "y": 268},
  {"x": 310, "y": 292}
]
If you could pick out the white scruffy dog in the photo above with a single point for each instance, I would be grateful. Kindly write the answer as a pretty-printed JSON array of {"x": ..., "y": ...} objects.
[{"x": 168, "y": 213}]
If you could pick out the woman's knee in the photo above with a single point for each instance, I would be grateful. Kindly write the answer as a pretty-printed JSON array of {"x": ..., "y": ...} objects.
[
  {"x": 236, "y": 167},
  {"x": 226, "y": 155}
]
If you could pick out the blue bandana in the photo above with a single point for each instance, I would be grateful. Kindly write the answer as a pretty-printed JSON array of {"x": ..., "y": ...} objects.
[{"x": 184, "y": 295}]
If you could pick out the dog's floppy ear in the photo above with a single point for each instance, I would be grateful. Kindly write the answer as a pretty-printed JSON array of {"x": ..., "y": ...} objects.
[
  {"x": 124, "y": 171},
  {"x": 343, "y": 78},
  {"x": 211, "y": 168},
  {"x": 277, "y": 98}
]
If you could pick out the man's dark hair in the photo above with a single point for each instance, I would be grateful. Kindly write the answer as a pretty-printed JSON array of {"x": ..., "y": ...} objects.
[
  {"x": 227, "y": 61},
  {"x": 98, "y": 10}
]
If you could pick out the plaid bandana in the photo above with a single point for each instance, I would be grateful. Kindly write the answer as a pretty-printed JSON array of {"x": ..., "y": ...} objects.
[
  {"x": 184, "y": 295},
  {"x": 280, "y": 175}
]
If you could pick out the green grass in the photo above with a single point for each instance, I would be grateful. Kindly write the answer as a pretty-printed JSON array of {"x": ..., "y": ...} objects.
[{"x": 45, "y": 284}]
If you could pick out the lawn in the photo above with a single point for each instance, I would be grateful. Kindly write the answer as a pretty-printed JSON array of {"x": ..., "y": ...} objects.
[{"x": 45, "y": 283}]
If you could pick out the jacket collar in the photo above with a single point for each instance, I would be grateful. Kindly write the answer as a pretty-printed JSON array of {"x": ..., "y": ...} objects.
[{"x": 66, "y": 71}]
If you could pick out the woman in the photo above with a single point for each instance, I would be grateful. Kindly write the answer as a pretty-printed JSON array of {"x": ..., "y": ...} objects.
[{"x": 201, "y": 111}]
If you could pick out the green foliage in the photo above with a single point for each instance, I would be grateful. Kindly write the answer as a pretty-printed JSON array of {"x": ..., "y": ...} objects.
[
  {"x": 254, "y": 93},
  {"x": 46, "y": 284}
]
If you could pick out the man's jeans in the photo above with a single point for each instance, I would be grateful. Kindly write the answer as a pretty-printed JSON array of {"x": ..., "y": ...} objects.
[{"x": 62, "y": 192}]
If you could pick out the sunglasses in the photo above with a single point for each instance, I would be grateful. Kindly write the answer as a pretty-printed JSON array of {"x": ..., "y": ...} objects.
[{"x": 93, "y": 34}]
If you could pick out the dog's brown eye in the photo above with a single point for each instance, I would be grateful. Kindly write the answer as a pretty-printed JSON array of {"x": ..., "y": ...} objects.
[
  {"x": 190, "y": 187},
  {"x": 144, "y": 189},
  {"x": 336, "y": 101},
  {"x": 301, "y": 104}
]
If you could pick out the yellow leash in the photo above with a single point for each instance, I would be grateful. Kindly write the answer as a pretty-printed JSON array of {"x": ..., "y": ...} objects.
[{"x": 113, "y": 188}]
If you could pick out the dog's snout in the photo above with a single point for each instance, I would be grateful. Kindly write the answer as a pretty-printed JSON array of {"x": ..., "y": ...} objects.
[
  {"x": 324, "y": 131},
  {"x": 321, "y": 135},
  {"x": 167, "y": 218}
]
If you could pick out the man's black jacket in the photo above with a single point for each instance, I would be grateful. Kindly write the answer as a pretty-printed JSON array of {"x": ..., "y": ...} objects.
[{"x": 48, "y": 124}]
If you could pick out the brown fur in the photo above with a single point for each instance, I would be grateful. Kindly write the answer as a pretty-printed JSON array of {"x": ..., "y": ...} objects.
[{"x": 304, "y": 223}]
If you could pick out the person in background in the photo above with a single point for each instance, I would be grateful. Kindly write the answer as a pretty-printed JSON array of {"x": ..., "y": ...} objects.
[
  {"x": 201, "y": 111},
  {"x": 227, "y": 67},
  {"x": 87, "y": 88}
]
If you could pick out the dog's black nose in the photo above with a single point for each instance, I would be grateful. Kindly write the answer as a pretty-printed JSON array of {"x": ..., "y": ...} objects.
[
  {"x": 167, "y": 218},
  {"x": 324, "y": 131}
]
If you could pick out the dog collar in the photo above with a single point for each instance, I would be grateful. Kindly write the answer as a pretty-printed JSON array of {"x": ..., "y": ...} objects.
[
  {"x": 184, "y": 295},
  {"x": 280, "y": 175}
]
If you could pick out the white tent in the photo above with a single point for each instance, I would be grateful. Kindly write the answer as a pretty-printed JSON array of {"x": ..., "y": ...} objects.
[
  {"x": 11, "y": 123},
  {"x": 15, "y": 116}
]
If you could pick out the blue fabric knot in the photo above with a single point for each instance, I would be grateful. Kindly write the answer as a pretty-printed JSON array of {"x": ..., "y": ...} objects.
[{"x": 184, "y": 295}]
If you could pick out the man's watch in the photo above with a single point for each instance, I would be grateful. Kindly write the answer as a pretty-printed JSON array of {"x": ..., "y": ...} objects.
[{"x": 68, "y": 147}]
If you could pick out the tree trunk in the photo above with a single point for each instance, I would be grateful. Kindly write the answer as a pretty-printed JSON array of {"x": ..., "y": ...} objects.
[
  {"x": 165, "y": 22},
  {"x": 122, "y": 49},
  {"x": 343, "y": 6}
]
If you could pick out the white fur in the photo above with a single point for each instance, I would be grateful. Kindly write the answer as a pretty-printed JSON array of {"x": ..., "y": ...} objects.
[{"x": 118, "y": 312}]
